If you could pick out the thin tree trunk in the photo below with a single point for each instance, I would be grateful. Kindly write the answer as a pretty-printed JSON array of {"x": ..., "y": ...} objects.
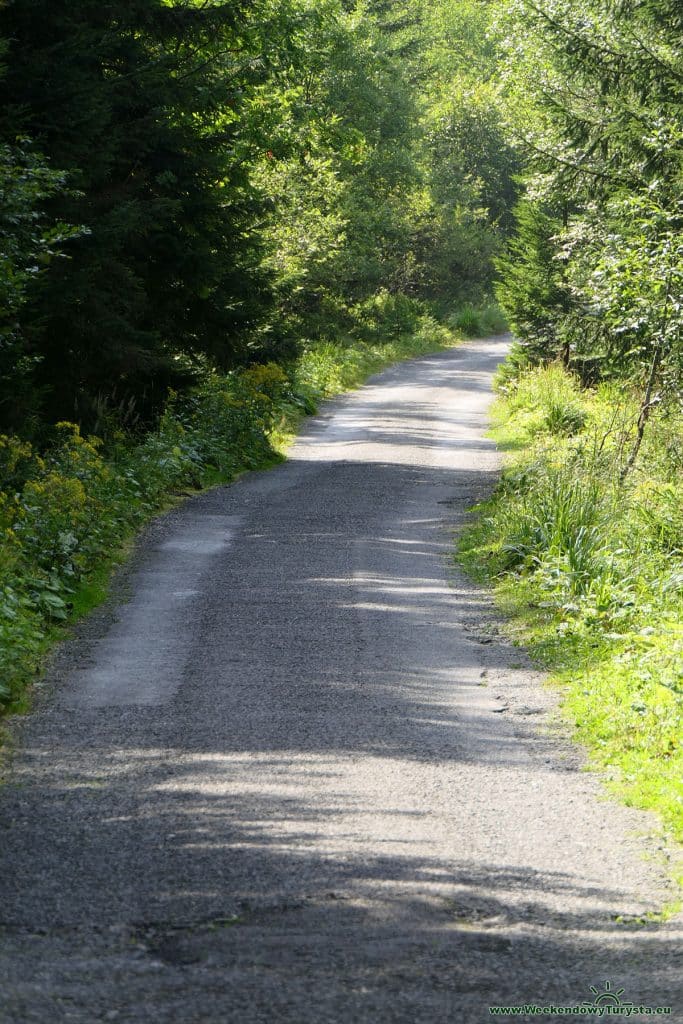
[
  {"x": 645, "y": 410},
  {"x": 647, "y": 403},
  {"x": 566, "y": 347}
]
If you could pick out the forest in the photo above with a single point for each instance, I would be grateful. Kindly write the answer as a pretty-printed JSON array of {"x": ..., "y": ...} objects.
[
  {"x": 192, "y": 187},
  {"x": 214, "y": 214}
]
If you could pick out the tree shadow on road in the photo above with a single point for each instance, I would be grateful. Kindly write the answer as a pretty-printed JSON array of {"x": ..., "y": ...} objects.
[{"x": 284, "y": 840}]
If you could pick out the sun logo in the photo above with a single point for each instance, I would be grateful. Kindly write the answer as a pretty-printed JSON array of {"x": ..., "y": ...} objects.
[{"x": 608, "y": 996}]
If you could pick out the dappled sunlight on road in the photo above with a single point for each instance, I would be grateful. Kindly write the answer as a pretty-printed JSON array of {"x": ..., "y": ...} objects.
[{"x": 318, "y": 766}]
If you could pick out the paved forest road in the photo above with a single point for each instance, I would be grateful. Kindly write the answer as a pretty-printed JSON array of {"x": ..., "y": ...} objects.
[{"x": 299, "y": 778}]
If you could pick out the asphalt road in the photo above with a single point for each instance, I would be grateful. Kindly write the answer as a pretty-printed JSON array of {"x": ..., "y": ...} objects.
[{"x": 298, "y": 776}]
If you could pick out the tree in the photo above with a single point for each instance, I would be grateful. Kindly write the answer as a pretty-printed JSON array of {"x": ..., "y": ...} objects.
[
  {"x": 138, "y": 102},
  {"x": 596, "y": 88},
  {"x": 28, "y": 243},
  {"x": 246, "y": 174},
  {"x": 532, "y": 287}
]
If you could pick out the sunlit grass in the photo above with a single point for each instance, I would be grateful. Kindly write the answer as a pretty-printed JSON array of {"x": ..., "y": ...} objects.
[{"x": 589, "y": 572}]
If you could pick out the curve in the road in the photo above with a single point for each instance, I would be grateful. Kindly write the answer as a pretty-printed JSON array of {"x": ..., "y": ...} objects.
[{"x": 299, "y": 777}]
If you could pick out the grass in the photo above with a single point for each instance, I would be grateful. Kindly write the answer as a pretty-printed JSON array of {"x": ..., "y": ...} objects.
[
  {"x": 474, "y": 321},
  {"x": 93, "y": 589},
  {"x": 68, "y": 516},
  {"x": 590, "y": 571}
]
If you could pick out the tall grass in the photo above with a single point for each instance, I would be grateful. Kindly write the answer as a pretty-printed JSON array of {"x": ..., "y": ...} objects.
[{"x": 591, "y": 570}]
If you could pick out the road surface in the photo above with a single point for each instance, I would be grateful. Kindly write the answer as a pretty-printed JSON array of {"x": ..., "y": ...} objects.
[{"x": 298, "y": 776}]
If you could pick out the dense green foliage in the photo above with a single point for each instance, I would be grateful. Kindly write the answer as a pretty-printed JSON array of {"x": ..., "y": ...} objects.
[
  {"x": 238, "y": 177},
  {"x": 28, "y": 243},
  {"x": 595, "y": 93},
  {"x": 138, "y": 105},
  {"x": 592, "y": 571}
]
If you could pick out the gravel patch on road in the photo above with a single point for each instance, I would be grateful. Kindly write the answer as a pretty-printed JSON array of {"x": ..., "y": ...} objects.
[{"x": 298, "y": 775}]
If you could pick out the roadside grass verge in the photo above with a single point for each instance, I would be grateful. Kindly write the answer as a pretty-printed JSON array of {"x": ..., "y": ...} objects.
[
  {"x": 68, "y": 514},
  {"x": 590, "y": 571}
]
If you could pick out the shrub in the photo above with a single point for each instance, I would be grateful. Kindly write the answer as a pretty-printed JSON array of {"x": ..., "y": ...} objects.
[
  {"x": 478, "y": 321},
  {"x": 387, "y": 315},
  {"x": 549, "y": 396}
]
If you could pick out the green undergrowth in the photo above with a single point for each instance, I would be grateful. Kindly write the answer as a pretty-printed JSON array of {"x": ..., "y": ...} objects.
[
  {"x": 478, "y": 321},
  {"x": 67, "y": 514},
  {"x": 590, "y": 569}
]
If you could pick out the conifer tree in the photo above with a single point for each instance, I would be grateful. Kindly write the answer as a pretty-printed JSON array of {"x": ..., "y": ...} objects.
[
  {"x": 138, "y": 102},
  {"x": 598, "y": 91}
]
